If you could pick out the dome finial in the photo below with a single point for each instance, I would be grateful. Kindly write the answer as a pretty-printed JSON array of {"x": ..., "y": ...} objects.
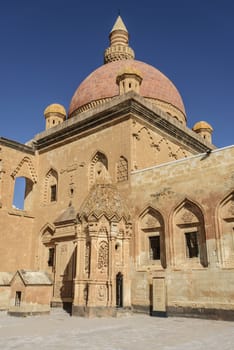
[
  {"x": 119, "y": 25},
  {"x": 119, "y": 49}
]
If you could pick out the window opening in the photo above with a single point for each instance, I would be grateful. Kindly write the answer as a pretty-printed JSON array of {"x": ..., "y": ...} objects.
[
  {"x": 154, "y": 248},
  {"x": 53, "y": 193},
  {"x": 192, "y": 248},
  {"x": 17, "y": 298},
  {"x": 19, "y": 193},
  {"x": 51, "y": 257}
]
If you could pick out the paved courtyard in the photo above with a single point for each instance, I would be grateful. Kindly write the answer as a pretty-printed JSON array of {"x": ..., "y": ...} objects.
[{"x": 137, "y": 332}]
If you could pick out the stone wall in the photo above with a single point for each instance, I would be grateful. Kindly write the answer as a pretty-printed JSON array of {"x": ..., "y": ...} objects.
[{"x": 194, "y": 194}]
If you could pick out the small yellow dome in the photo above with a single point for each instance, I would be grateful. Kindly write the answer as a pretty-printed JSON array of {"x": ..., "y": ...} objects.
[
  {"x": 55, "y": 108},
  {"x": 202, "y": 125}
]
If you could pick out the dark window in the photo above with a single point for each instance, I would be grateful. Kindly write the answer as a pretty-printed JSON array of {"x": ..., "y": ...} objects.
[
  {"x": 192, "y": 248},
  {"x": 154, "y": 248},
  {"x": 51, "y": 257},
  {"x": 53, "y": 193},
  {"x": 17, "y": 298}
]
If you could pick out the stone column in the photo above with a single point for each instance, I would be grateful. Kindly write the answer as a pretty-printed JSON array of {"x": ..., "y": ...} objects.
[
  {"x": 126, "y": 259},
  {"x": 93, "y": 229},
  {"x": 112, "y": 277},
  {"x": 78, "y": 281}
]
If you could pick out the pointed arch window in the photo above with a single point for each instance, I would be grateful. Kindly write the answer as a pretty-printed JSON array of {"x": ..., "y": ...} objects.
[
  {"x": 189, "y": 239},
  {"x": 98, "y": 167},
  {"x": 151, "y": 239},
  {"x": 51, "y": 187},
  {"x": 226, "y": 231}
]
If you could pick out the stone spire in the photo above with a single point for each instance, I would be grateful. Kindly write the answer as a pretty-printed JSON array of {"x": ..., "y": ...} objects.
[{"x": 119, "y": 49}]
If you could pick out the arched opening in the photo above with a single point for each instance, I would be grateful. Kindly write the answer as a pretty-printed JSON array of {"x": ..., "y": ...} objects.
[
  {"x": 98, "y": 168},
  {"x": 51, "y": 187},
  {"x": 22, "y": 193},
  {"x": 152, "y": 239},
  {"x": 189, "y": 239},
  {"x": 226, "y": 220}
]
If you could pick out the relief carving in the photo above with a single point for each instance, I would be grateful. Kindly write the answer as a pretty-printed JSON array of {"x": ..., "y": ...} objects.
[
  {"x": 122, "y": 169},
  {"x": 188, "y": 217},
  {"x": 166, "y": 192},
  {"x": 101, "y": 293},
  {"x": 103, "y": 257},
  {"x": 29, "y": 164},
  {"x": 70, "y": 168},
  {"x": 87, "y": 258}
]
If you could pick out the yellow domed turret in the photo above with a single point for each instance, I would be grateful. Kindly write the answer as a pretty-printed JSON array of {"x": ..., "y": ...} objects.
[
  {"x": 204, "y": 129},
  {"x": 54, "y": 115},
  {"x": 55, "y": 108}
]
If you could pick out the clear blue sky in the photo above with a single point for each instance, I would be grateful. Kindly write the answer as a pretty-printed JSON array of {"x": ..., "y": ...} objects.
[{"x": 49, "y": 46}]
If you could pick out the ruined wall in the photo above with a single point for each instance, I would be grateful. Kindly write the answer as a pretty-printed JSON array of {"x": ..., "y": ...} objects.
[{"x": 16, "y": 224}]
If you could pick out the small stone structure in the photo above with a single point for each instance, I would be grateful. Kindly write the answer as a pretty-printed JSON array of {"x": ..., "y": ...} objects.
[{"x": 30, "y": 293}]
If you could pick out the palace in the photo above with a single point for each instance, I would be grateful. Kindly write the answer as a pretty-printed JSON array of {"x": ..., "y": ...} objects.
[{"x": 126, "y": 209}]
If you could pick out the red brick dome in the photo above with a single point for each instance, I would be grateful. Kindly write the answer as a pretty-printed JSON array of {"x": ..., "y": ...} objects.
[{"x": 101, "y": 85}]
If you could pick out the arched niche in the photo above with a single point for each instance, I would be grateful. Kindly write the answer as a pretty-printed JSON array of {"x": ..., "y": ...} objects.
[
  {"x": 98, "y": 168},
  {"x": 151, "y": 239},
  {"x": 189, "y": 238},
  {"x": 226, "y": 230},
  {"x": 51, "y": 187},
  {"x": 47, "y": 248}
]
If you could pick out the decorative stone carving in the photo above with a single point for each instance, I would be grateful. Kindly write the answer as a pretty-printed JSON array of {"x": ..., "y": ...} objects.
[
  {"x": 31, "y": 169},
  {"x": 101, "y": 292},
  {"x": 99, "y": 169},
  {"x": 104, "y": 199},
  {"x": 70, "y": 168},
  {"x": 187, "y": 217},
  {"x": 122, "y": 169},
  {"x": 149, "y": 221},
  {"x": 103, "y": 256},
  {"x": 165, "y": 192},
  {"x": 87, "y": 258}
]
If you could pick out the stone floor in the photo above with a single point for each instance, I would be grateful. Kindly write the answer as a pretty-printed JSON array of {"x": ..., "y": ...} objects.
[{"x": 137, "y": 332}]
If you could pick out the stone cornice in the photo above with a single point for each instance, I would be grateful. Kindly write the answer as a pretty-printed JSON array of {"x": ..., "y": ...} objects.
[
  {"x": 119, "y": 108},
  {"x": 17, "y": 146}
]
